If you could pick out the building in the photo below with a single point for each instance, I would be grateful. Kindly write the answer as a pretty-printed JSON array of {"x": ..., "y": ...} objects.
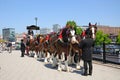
[
  {"x": 45, "y": 31},
  {"x": 106, "y": 29},
  {"x": 112, "y": 31},
  {"x": 83, "y": 27},
  {"x": 9, "y": 34},
  {"x": 56, "y": 28},
  {"x": 109, "y": 30},
  {"x": 20, "y": 36}
]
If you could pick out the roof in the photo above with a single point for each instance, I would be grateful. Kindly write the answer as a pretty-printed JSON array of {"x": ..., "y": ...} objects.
[{"x": 33, "y": 27}]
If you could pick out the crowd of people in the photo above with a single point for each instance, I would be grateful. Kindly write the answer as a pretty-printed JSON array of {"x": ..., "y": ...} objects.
[{"x": 6, "y": 46}]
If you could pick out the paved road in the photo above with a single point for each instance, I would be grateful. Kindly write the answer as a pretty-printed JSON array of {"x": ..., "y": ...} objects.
[{"x": 13, "y": 67}]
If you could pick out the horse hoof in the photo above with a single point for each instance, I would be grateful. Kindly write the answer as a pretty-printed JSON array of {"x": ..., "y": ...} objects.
[
  {"x": 51, "y": 61},
  {"x": 59, "y": 70},
  {"x": 45, "y": 60},
  {"x": 38, "y": 59},
  {"x": 71, "y": 70},
  {"x": 78, "y": 67}
]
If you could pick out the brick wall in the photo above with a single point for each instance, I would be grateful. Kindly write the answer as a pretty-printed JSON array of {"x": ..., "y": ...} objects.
[{"x": 109, "y": 30}]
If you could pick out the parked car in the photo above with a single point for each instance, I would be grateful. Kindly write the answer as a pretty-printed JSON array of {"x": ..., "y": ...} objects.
[
  {"x": 98, "y": 50},
  {"x": 17, "y": 46}
]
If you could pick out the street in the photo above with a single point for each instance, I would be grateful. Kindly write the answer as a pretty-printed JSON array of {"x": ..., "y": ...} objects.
[{"x": 14, "y": 67}]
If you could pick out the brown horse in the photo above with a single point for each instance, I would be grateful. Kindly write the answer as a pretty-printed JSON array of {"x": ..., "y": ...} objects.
[
  {"x": 49, "y": 47},
  {"x": 39, "y": 47},
  {"x": 29, "y": 45},
  {"x": 61, "y": 47},
  {"x": 34, "y": 45},
  {"x": 75, "y": 40},
  {"x": 76, "y": 52}
]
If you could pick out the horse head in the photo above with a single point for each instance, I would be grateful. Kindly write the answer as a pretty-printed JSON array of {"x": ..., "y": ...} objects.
[
  {"x": 92, "y": 30},
  {"x": 72, "y": 36}
]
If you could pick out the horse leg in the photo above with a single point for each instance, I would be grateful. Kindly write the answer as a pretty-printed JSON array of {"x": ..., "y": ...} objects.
[
  {"x": 71, "y": 57},
  {"x": 78, "y": 62},
  {"x": 59, "y": 62},
  {"x": 45, "y": 60},
  {"x": 27, "y": 50},
  {"x": 66, "y": 62},
  {"x": 51, "y": 57},
  {"x": 36, "y": 54},
  {"x": 54, "y": 60},
  {"x": 40, "y": 54}
]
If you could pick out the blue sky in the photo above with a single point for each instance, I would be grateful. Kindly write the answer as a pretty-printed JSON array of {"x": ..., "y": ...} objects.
[{"x": 20, "y": 13}]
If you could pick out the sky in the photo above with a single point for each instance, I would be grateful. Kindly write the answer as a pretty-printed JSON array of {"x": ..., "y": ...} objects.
[{"x": 21, "y": 13}]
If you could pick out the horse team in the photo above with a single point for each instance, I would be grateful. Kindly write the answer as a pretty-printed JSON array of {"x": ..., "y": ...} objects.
[{"x": 61, "y": 47}]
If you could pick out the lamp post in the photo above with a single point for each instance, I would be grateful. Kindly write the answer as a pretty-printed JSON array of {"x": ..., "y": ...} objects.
[
  {"x": 36, "y": 20},
  {"x": 36, "y": 23}
]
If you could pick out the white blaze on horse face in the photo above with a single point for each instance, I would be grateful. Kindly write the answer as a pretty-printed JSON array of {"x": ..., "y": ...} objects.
[
  {"x": 73, "y": 39},
  {"x": 93, "y": 32},
  {"x": 72, "y": 32},
  {"x": 73, "y": 35}
]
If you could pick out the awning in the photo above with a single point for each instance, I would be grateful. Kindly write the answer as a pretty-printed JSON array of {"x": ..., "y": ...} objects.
[{"x": 33, "y": 27}]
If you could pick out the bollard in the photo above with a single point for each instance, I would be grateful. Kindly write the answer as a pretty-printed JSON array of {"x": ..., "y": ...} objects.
[
  {"x": 119, "y": 57},
  {"x": 104, "y": 53}
]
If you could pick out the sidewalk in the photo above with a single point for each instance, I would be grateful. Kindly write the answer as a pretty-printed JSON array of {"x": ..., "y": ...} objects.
[{"x": 14, "y": 67}]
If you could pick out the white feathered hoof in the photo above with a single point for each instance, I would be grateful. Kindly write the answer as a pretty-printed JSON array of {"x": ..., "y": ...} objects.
[
  {"x": 45, "y": 60},
  {"x": 77, "y": 67},
  {"x": 50, "y": 60},
  {"x": 59, "y": 68},
  {"x": 54, "y": 64},
  {"x": 35, "y": 56},
  {"x": 38, "y": 58},
  {"x": 31, "y": 54},
  {"x": 66, "y": 67}
]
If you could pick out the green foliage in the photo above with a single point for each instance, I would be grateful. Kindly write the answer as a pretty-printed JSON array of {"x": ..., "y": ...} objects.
[
  {"x": 73, "y": 24},
  {"x": 2, "y": 40},
  {"x": 118, "y": 39},
  {"x": 78, "y": 30},
  {"x": 101, "y": 37}
]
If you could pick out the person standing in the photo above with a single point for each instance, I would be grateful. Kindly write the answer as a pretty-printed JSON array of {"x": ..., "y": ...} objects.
[
  {"x": 87, "y": 45},
  {"x": 30, "y": 32},
  {"x": 22, "y": 48},
  {"x": 9, "y": 46}
]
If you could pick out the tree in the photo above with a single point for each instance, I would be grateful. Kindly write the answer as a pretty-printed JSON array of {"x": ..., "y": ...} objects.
[
  {"x": 78, "y": 30},
  {"x": 118, "y": 39},
  {"x": 73, "y": 24},
  {"x": 101, "y": 37}
]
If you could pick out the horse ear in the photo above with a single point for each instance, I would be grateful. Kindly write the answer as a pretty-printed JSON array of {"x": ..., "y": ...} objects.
[{"x": 89, "y": 24}]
